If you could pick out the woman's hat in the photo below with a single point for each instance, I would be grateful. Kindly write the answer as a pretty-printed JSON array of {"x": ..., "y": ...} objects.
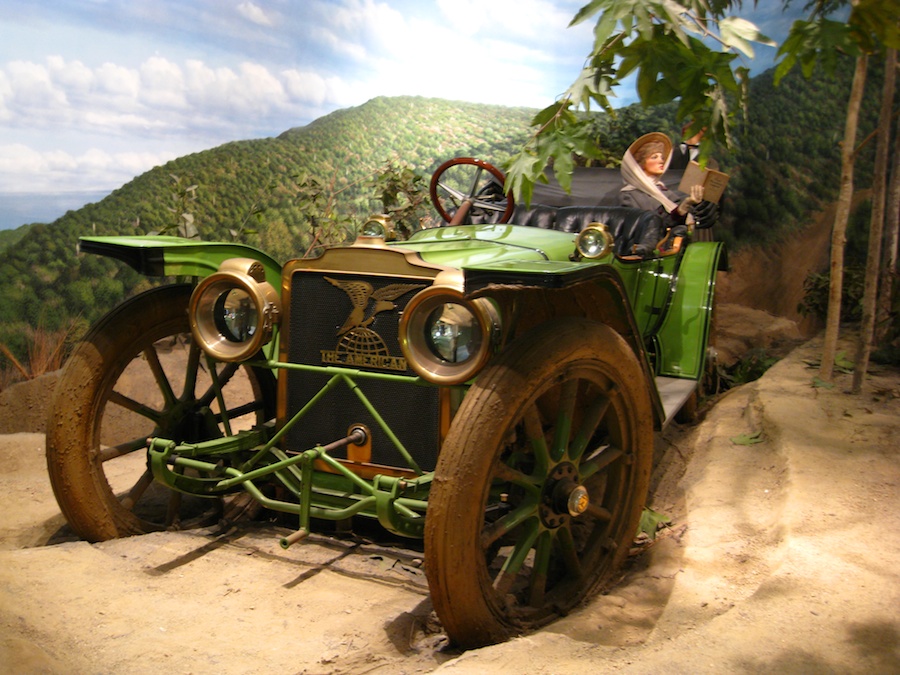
[{"x": 652, "y": 137}]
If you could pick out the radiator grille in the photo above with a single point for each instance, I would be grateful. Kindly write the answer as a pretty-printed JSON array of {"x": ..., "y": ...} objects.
[{"x": 352, "y": 320}]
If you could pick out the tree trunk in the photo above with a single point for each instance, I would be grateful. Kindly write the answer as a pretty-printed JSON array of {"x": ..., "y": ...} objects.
[
  {"x": 876, "y": 229},
  {"x": 891, "y": 238},
  {"x": 842, "y": 216}
]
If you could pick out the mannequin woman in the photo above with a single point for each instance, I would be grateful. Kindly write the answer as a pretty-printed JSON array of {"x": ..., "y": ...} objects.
[{"x": 643, "y": 166}]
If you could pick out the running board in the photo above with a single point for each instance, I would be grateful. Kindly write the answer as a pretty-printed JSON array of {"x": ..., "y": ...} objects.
[{"x": 673, "y": 392}]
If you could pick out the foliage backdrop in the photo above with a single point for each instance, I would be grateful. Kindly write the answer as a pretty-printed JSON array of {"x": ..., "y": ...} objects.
[{"x": 271, "y": 193}]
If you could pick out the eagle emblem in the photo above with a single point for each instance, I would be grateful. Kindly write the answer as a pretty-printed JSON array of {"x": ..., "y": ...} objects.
[{"x": 361, "y": 294}]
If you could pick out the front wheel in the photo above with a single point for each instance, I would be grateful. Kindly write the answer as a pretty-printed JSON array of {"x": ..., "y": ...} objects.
[
  {"x": 138, "y": 374},
  {"x": 540, "y": 484}
]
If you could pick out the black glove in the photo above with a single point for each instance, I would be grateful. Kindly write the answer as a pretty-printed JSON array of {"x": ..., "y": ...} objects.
[{"x": 706, "y": 214}]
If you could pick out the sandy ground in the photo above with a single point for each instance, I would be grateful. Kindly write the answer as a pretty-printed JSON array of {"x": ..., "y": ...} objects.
[{"x": 782, "y": 557}]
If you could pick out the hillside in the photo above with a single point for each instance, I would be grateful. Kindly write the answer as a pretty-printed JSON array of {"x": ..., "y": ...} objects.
[
  {"x": 43, "y": 283},
  {"x": 282, "y": 186}
]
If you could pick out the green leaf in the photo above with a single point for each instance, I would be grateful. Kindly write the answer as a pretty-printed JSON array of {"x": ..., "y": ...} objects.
[
  {"x": 822, "y": 384},
  {"x": 843, "y": 363},
  {"x": 587, "y": 11},
  {"x": 545, "y": 116},
  {"x": 522, "y": 171},
  {"x": 651, "y": 521},
  {"x": 604, "y": 28},
  {"x": 563, "y": 168},
  {"x": 823, "y": 42},
  {"x": 748, "y": 439},
  {"x": 876, "y": 19},
  {"x": 738, "y": 33}
]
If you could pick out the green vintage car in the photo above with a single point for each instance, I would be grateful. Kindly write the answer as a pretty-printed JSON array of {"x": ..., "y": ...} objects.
[{"x": 490, "y": 387}]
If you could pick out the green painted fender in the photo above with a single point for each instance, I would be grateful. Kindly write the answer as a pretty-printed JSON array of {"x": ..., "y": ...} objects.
[
  {"x": 683, "y": 336},
  {"x": 174, "y": 256}
]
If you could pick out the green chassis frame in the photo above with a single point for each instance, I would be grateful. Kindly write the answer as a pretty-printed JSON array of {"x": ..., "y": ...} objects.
[{"x": 398, "y": 503}]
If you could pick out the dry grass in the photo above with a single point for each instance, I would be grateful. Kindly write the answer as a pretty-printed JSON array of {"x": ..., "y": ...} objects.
[{"x": 46, "y": 353}]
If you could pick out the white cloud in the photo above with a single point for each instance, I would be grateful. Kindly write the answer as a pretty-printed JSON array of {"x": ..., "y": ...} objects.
[
  {"x": 24, "y": 169},
  {"x": 115, "y": 79},
  {"x": 31, "y": 87},
  {"x": 72, "y": 75},
  {"x": 305, "y": 85},
  {"x": 254, "y": 13},
  {"x": 162, "y": 84},
  {"x": 113, "y": 88},
  {"x": 258, "y": 89},
  {"x": 509, "y": 19},
  {"x": 159, "y": 96}
]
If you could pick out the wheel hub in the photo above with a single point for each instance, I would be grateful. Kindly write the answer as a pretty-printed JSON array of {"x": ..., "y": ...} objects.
[
  {"x": 186, "y": 422},
  {"x": 563, "y": 496}
]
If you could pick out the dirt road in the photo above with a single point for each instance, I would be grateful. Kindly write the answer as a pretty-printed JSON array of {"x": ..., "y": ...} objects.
[{"x": 782, "y": 557}]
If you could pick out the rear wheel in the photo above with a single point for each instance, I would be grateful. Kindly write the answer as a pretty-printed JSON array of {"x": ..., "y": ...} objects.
[
  {"x": 138, "y": 374},
  {"x": 540, "y": 484}
]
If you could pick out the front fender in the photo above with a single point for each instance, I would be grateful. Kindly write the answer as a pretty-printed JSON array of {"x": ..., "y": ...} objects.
[
  {"x": 173, "y": 256},
  {"x": 535, "y": 293}
]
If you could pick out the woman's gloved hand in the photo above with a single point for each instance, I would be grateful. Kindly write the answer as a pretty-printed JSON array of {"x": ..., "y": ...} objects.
[
  {"x": 706, "y": 214},
  {"x": 694, "y": 198}
]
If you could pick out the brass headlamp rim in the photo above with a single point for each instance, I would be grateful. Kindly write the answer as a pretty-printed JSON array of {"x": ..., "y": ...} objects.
[
  {"x": 606, "y": 236},
  {"x": 233, "y": 274},
  {"x": 420, "y": 357}
]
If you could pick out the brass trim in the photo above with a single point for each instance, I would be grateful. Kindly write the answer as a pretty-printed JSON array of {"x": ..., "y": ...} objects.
[
  {"x": 373, "y": 258},
  {"x": 607, "y": 237},
  {"x": 363, "y": 452},
  {"x": 412, "y": 330},
  {"x": 235, "y": 273},
  {"x": 366, "y": 470}
]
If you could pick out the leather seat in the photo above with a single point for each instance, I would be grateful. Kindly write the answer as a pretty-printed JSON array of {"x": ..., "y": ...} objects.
[
  {"x": 628, "y": 226},
  {"x": 536, "y": 216}
]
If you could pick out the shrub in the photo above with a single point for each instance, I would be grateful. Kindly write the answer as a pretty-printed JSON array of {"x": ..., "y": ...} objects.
[{"x": 815, "y": 295}]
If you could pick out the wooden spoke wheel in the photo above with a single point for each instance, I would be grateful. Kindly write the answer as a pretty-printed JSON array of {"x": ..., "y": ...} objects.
[
  {"x": 540, "y": 484},
  {"x": 137, "y": 374}
]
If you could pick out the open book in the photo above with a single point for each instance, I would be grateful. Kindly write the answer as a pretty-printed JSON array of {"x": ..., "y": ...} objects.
[{"x": 713, "y": 181}]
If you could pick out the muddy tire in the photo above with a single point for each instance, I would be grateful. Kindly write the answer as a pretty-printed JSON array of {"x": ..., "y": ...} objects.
[
  {"x": 540, "y": 484},
  {"x": 137, "y": 374}
]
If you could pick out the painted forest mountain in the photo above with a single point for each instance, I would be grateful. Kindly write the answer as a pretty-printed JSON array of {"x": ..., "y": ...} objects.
[{"x": 778, "y": 176}]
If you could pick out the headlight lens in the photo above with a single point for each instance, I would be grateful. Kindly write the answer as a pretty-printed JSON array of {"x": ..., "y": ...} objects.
[
  {"x": 453, "y": 333},
  {"x": 594, "y": 241},
  {"x": 235, "y": 315},
  {"x": 380, "y": 227},
  {"x": 446, "y": 338},
  {"x": 234, "y": 310}
]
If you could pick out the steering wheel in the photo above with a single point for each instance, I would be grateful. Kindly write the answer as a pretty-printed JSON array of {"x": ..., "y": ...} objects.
[{"x": 463, "y": 196}]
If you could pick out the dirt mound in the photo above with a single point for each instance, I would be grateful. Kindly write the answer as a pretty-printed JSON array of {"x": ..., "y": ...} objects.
[
  {"x": 770, "y": 278},
  {"x": 23, "y": 407},
  {"x": 740, "y": 330}
]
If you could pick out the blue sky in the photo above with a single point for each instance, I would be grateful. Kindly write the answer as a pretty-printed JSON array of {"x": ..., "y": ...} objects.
[{"x": 95, "y": 92}]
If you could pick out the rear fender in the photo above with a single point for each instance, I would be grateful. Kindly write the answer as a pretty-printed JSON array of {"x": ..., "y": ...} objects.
[
  {"x": 174, "y": 256},
  {"x": 683, "y": 335}
]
